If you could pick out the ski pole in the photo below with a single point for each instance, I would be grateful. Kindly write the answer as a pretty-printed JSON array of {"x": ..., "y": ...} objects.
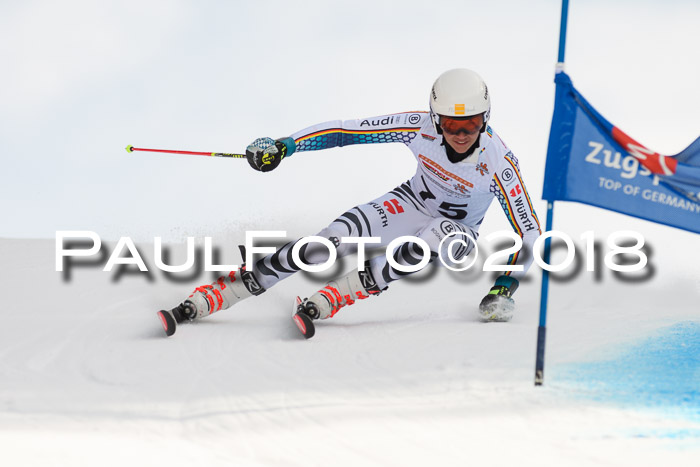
[{"x": 214, "y": 154}]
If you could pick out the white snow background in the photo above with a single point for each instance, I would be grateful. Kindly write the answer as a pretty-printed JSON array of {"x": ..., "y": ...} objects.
[{"x": 408, "y": 378}]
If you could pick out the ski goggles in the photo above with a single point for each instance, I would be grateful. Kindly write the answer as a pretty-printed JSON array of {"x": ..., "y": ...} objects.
[{"x": 455, "y": 126}]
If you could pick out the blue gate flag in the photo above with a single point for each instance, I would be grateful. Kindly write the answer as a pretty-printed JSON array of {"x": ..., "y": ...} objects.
[{"x": 591, "y": 161}]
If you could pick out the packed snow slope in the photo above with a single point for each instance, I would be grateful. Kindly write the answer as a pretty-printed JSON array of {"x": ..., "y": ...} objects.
[{"x": 407, "y": 378}]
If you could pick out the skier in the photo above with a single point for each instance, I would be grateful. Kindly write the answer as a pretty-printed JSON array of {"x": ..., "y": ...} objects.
[{"x": 462, "y": 166}]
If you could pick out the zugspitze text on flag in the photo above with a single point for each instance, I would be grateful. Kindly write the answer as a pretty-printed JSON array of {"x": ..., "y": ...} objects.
[{"x": 593, "y": 162}]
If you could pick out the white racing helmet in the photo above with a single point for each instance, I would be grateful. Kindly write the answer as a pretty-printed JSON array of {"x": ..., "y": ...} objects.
[{"x": 459, "y": 93}]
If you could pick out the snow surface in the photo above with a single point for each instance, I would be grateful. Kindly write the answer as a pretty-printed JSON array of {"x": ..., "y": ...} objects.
[{"x": 407, "y": 378}]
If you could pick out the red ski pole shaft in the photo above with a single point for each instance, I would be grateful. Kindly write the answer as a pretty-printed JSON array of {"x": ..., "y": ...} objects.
[{"x": 193, "y": 153}]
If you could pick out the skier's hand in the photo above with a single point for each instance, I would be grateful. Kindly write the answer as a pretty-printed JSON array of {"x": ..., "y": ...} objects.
[
  {"x": 265, "y": 154},
  {"x": 498, "y": 305}
]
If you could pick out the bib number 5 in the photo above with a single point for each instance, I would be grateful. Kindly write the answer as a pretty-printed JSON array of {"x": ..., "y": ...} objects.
[{"x": 453, "y": 211}]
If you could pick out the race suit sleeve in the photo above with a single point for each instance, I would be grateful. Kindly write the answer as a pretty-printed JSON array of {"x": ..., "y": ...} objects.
[
  {"x": 517, "y": 206},
  {"x": 394, "y": 128}
]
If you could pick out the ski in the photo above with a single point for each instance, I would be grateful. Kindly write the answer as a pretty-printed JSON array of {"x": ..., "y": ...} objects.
[
  {"x": 302, "y": 320},
  {"x": 168, "y": 321},
  {"x": 499, "y": 310}
]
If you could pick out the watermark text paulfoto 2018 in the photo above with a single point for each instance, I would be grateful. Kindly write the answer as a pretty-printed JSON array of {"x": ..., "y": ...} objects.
[{"x": 85, "y": 243}]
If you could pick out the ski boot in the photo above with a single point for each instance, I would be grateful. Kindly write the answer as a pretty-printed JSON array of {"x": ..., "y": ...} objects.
[
  {"x": 496, "y": 308},
  {"x": 208, "y": 299},
  {"x": 325, "y": 303},
  {"x": 498, "y": 305}
]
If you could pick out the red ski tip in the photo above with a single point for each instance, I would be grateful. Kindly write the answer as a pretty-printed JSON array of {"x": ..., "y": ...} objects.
[
  {"x": 305, "y": 325},
  {"x": 303, "y": 321},
  {"x": 168, "y": 322},
  {"x": 300, "y": 324}
]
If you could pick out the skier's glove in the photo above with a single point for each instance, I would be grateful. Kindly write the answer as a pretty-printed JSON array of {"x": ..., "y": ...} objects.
[
  {"x": 498, "y": 305},
  {"x": 265, "y": 154}
]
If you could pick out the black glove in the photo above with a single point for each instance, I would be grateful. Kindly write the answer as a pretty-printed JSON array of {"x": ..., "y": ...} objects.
[
  {"x": 498, "y": 305},
  {"x": 265, "y": 154}
]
